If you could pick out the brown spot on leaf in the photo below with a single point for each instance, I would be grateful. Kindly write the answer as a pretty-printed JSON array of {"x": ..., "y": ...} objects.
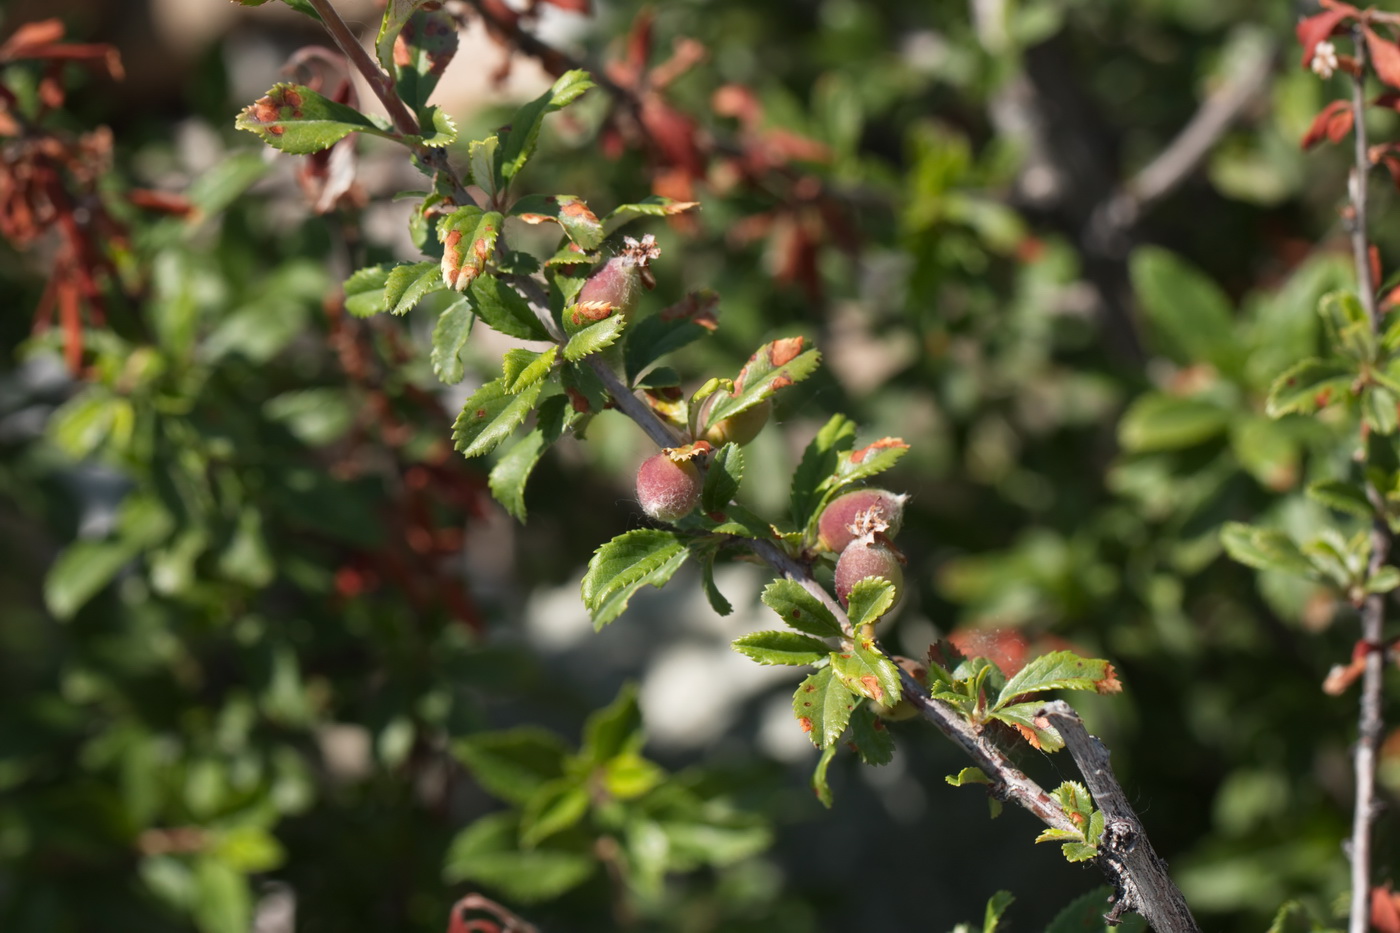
[
  {"x": 534, "y": 218},
  {"x": 871, "y": 683},
  {"x": 593, "y": 311},
  {"x": 781, "y": 382},
  {"x": 1110, "y": 682},
  {"x": 883, "y": 443},
  {"x": 578, "y": 400},
  {"x": 1028, "y": 734},
  {"x": 783, "y": 351}
]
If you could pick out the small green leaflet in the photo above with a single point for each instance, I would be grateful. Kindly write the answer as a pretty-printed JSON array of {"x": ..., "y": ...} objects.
[
  {"x": 773, "y": 366},
  {"x": 864, "y": 463},
  {"x": 800, "y": 609},
  {"x": 782, "y": 648},
  {"x": 396, "y": 13},
  {"x": 823, "y": 706},
  {"x": 968, "y": 776},
  {"x": 869, "y": 599},
  {"x": 722, "y": 478},
  {"x": 1085, "y": 914},
  {"x": 512, "y": 471},
  {"x": 552, "y": 809},
  {"x": 647, "y": 556},
  {"x": 519, "y": 141},
  {"x": 483, "y": 155},
  {"x": 1082, "y": 844},
  {"x": 594, "y": 337},
  {"x": 513, "y": 765},
  {"x": 81, "y": 571},
  {"x": 502, "y": 308},
  {"x": 1265, "y": 549},
  {"x": 407, "y": 283},
  {"x": 872, "y": 740},
  {"x": 1311, "y": 385},
  {"x": 489, "y": 416},
  {"x": 1059, "y": 670},
  {"x": 488, "y": 852},
  {"x": 653, "y": 206},
  {"x": 820, "y": 787},
  {"x": 364, "y": 291},
  {"x": 1157, "y": 421},
  {"x": 450, "y": 335},
  {"x": 523, "y": 368},
  {"x": 866, "y": 671},
  {"x": 613, "y": 730},
  {"x": 818, "y": 462},
  {"x": 580, "y": 224},
  {"x": 718, "y": 603},
  {"x": 295, "y": 119}
]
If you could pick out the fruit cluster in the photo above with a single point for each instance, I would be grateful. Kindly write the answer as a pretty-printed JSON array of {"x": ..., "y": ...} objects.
[{"x": 859, "y": 527}]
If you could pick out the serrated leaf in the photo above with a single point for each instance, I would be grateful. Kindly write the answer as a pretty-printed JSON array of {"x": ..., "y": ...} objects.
[
  {"x": 872, "y": 740},
  {"x": 800, "y": 609},
  {"x": 782, "y": 648},
  {"x": 867, "y": 461},
  {"x": 483, "y": 155},
  {"x": 717, "y": 601},
  {"x": 866, "y": 671},
  {"x": 819, "y": 461},
  {"x": 1343, "y": 496},
  {"x": 364, "y": 291},
  {"x": 519, "y": 141},
  {"x": 580, "y": 224},
  {"x": 1265, "y": 549},
  {"x": 968, "y": 776},
  {"x": 513, "y": 765},
  {"x": 773, "y": 366},
  {"x": 869, "y": 599},
  {"x": 1167, "y": 422},
  {"x": 295, "y": 119},
  {"x": 722, "y": 478},
  {"x": 584, "y": 387},
  {"x": 487, "y": 853},
  {"x": 438, "y": 130},
  {"x": 407, "y": 283},
  {"x": 594, "y": 337},
  {"x": 552, "y": 809},
  {"x": 1309, "y": 386},
  {"x": 450, "y": 335},
  {"x": 523, "y": 368},
  {"x": 1079, "y": 851},
  {"x": 428, "y": 41},
  {"x": 511, "y": 473},
  {"x": 1188, "y": 311},
  {"x": 820, "y": 786},
  {"x": 502, "y": 308},
  {"x": 653, "y": 206},
  {"x": 646, "y": 556},
  {"x": 489, "y": 416},
  {"x": 1059, "y": 670},
  {"x": 468, "y": 237},
  {"x": 1022, "y": 717},
  {"x": 823, "y": 706}
]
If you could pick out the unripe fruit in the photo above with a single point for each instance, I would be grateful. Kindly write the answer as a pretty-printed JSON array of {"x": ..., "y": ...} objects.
[
  {"x": 736, "y": 429},
  {"x": 620, "y": 282},
  {"x": 867, "y": 558},
  {"x": 666, "y": 489},
  {"x": 838, "y": 525}
]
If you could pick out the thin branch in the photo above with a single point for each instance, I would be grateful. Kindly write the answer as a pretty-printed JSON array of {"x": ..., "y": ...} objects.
[
  {"x": 1370, "y": 723},
  {"x": 1139, "y": 876}
]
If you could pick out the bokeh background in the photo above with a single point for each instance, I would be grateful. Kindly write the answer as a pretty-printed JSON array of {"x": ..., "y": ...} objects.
[{"x": 250, "y": 599}]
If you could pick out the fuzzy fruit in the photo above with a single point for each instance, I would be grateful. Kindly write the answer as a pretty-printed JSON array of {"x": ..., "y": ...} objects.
[
  {"x": 867, "y": 558},
  {"x": 736, "y": 429},
  {"x": 620, "y": 282},
  {"x": 666, "y": 489},
  {"x": 838, "y": 525}
]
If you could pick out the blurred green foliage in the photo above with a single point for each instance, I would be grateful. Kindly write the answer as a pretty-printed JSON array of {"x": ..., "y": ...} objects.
[{"x": 236, "y": 648}]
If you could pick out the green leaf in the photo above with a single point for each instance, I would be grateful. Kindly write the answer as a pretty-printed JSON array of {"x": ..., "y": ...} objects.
[
  {"x": 1265, "y": 549},
  {"x": 248, "y": 849},
  {"x": 653, "y": 206},
  {"x": 429, "y": 42},
  {"x": 519, "y": 141},
  {"x": 613, "y": 730},
  {"x": 867, "y": 672},
  {"x": 396, "y": 14},
  {"x": 222, "y": 901},
  {"x": 580, "y": 224},
  {"x": 81, "y": 425},
  {"x": 1348, "y": 326},
  {"x": 646, "y": 556},
  {"x": 1022, "y": 716},
  {"x": 468, "y": 237},
  {"x": 490, "y": 415},
  {"x": 223, "y": 184},
  {"x": 823, "y": 706},
  {"x": 996, "y": 907},
  {"x": 1343, "y": 496},
  {"x": 486, "y": 853},
  {"x": 1167, "y": 422},
  {"x": 438, "y": 130},
  {"x": 364, "y": 291},
  {"x": 870, "y": 460},
  {"x": 737, "y": 520},
  {"x": 968, "y": 776},
  {"x": 552, "y": 809},
  {"x": 296, "y": 119},
  {"x": 513, "y": 765},
  {"x": 522, "y": 369},
  {"x": 1383, "y": 580},
  {"x": 594, "y": 337},
  {"x": 1310, "y": 385},
  {"x": 1292, "y": 917},
  {"x": 484, "y": 156},
  {"x": 1059, "y": 670},
  {"x": 773, "y": 366},
  {"x": 718, "y": 603},
  {"x": 1268, "y": 449},
  {"x": 652, "y": 338},
  {"x": 1187, "y": 311},
  {"x": 81, "y": 571},
  {"x": 1085, "y": 915},
  {"x": 722, "y": 478},
  {"x": 820, "y": 787},
  {"x": 872, "y": 740},
  {"x": 819, "y": 461},
  {"x": 408, "y": 282},
  {"x": 502, "y": 308},
  {"x": 869, "y": 599},
  {"x": 450, "y": 335},
  {"x": 800, "y": 609},
  {"x": 511, "y": 473},
  {"x": 586, "y": 385},
  {"x": 782, "y": 648}
]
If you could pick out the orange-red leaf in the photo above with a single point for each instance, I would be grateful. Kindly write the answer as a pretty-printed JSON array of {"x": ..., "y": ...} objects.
[
  {"x": 1314, "y": 29},
  {"x": 1332, "y": 124},
  {"x": 1385, "y": 56}
]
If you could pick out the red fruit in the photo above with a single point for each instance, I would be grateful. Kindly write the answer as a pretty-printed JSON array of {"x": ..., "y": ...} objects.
[
  {"x": 668, "y": 490},
  {"x": 867, "y": 558},
  {"x": 736, "y": 429},
  {"x": 857, "y": 513},
  {"x": 619, "y": 283}
]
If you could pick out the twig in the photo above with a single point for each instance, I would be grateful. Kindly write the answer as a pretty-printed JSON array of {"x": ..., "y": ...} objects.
[
  {"x": 1369, "y": 723},
  {"x": 1138, "y": 874}
]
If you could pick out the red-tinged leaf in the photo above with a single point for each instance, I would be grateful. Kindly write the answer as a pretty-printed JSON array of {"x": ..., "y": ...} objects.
[
  {"x": 1374, "y": 256},
  {"x": 1385, "y": 56},
  {"x": 1385, "y": 910},
  {"x": 1333, "y": 123},
  {"x": 1314, "y": 29},
  {"x": 573, "y": 6}
]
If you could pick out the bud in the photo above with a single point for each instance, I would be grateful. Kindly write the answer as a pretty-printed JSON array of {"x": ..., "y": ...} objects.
[
  {"x": 857, "y": 513},
  {"x": 737, "y": 429},
  {"x": 868, "y": 557},
  {"x": 668, "y": 489},
  {"x": 620, "y": 282}
]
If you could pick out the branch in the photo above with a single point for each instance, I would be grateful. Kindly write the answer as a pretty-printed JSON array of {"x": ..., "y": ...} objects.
[{"x": 1138, "y": 874}]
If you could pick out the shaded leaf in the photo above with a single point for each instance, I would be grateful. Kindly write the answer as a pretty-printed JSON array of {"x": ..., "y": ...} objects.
[
  {"x": 800, "y": 609},
  {"x": 553, "y": 808},
  {"x": 511, "y": 473},
  {"x": 722, "y": 478},
  {"x": 647, "y": 556},
  {"x": 487, "y": 853},
  {"x": 519, "y": 141},
  {"x": 81, "y": 571},
  {"x": 1265, "y": 549},
  {"x": 823, "y": 706},
  {"x": 502, "y": 308},
  {"x": 1343, "y": 496},
  {"x": 450, "y": 334},
  {"x": 872, "y": 740},
  {"x": 364, "y": 291},
  {"x": 1188, "y": 311},
  {"x": 489, "y": 416},
  {"x": 1310, "y": 385},
  {"x": 820, "y": 786},
  {"x": 614, "y": 729},
  {"x": 717, "y": 601},
  {"x": 513, "y": 765},
  {"x": 819, "y": 461},
  {"x": 523, "y": 368},
  {"x": 1166, "y": 422},
  {"x": 407, "y": 283}
]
